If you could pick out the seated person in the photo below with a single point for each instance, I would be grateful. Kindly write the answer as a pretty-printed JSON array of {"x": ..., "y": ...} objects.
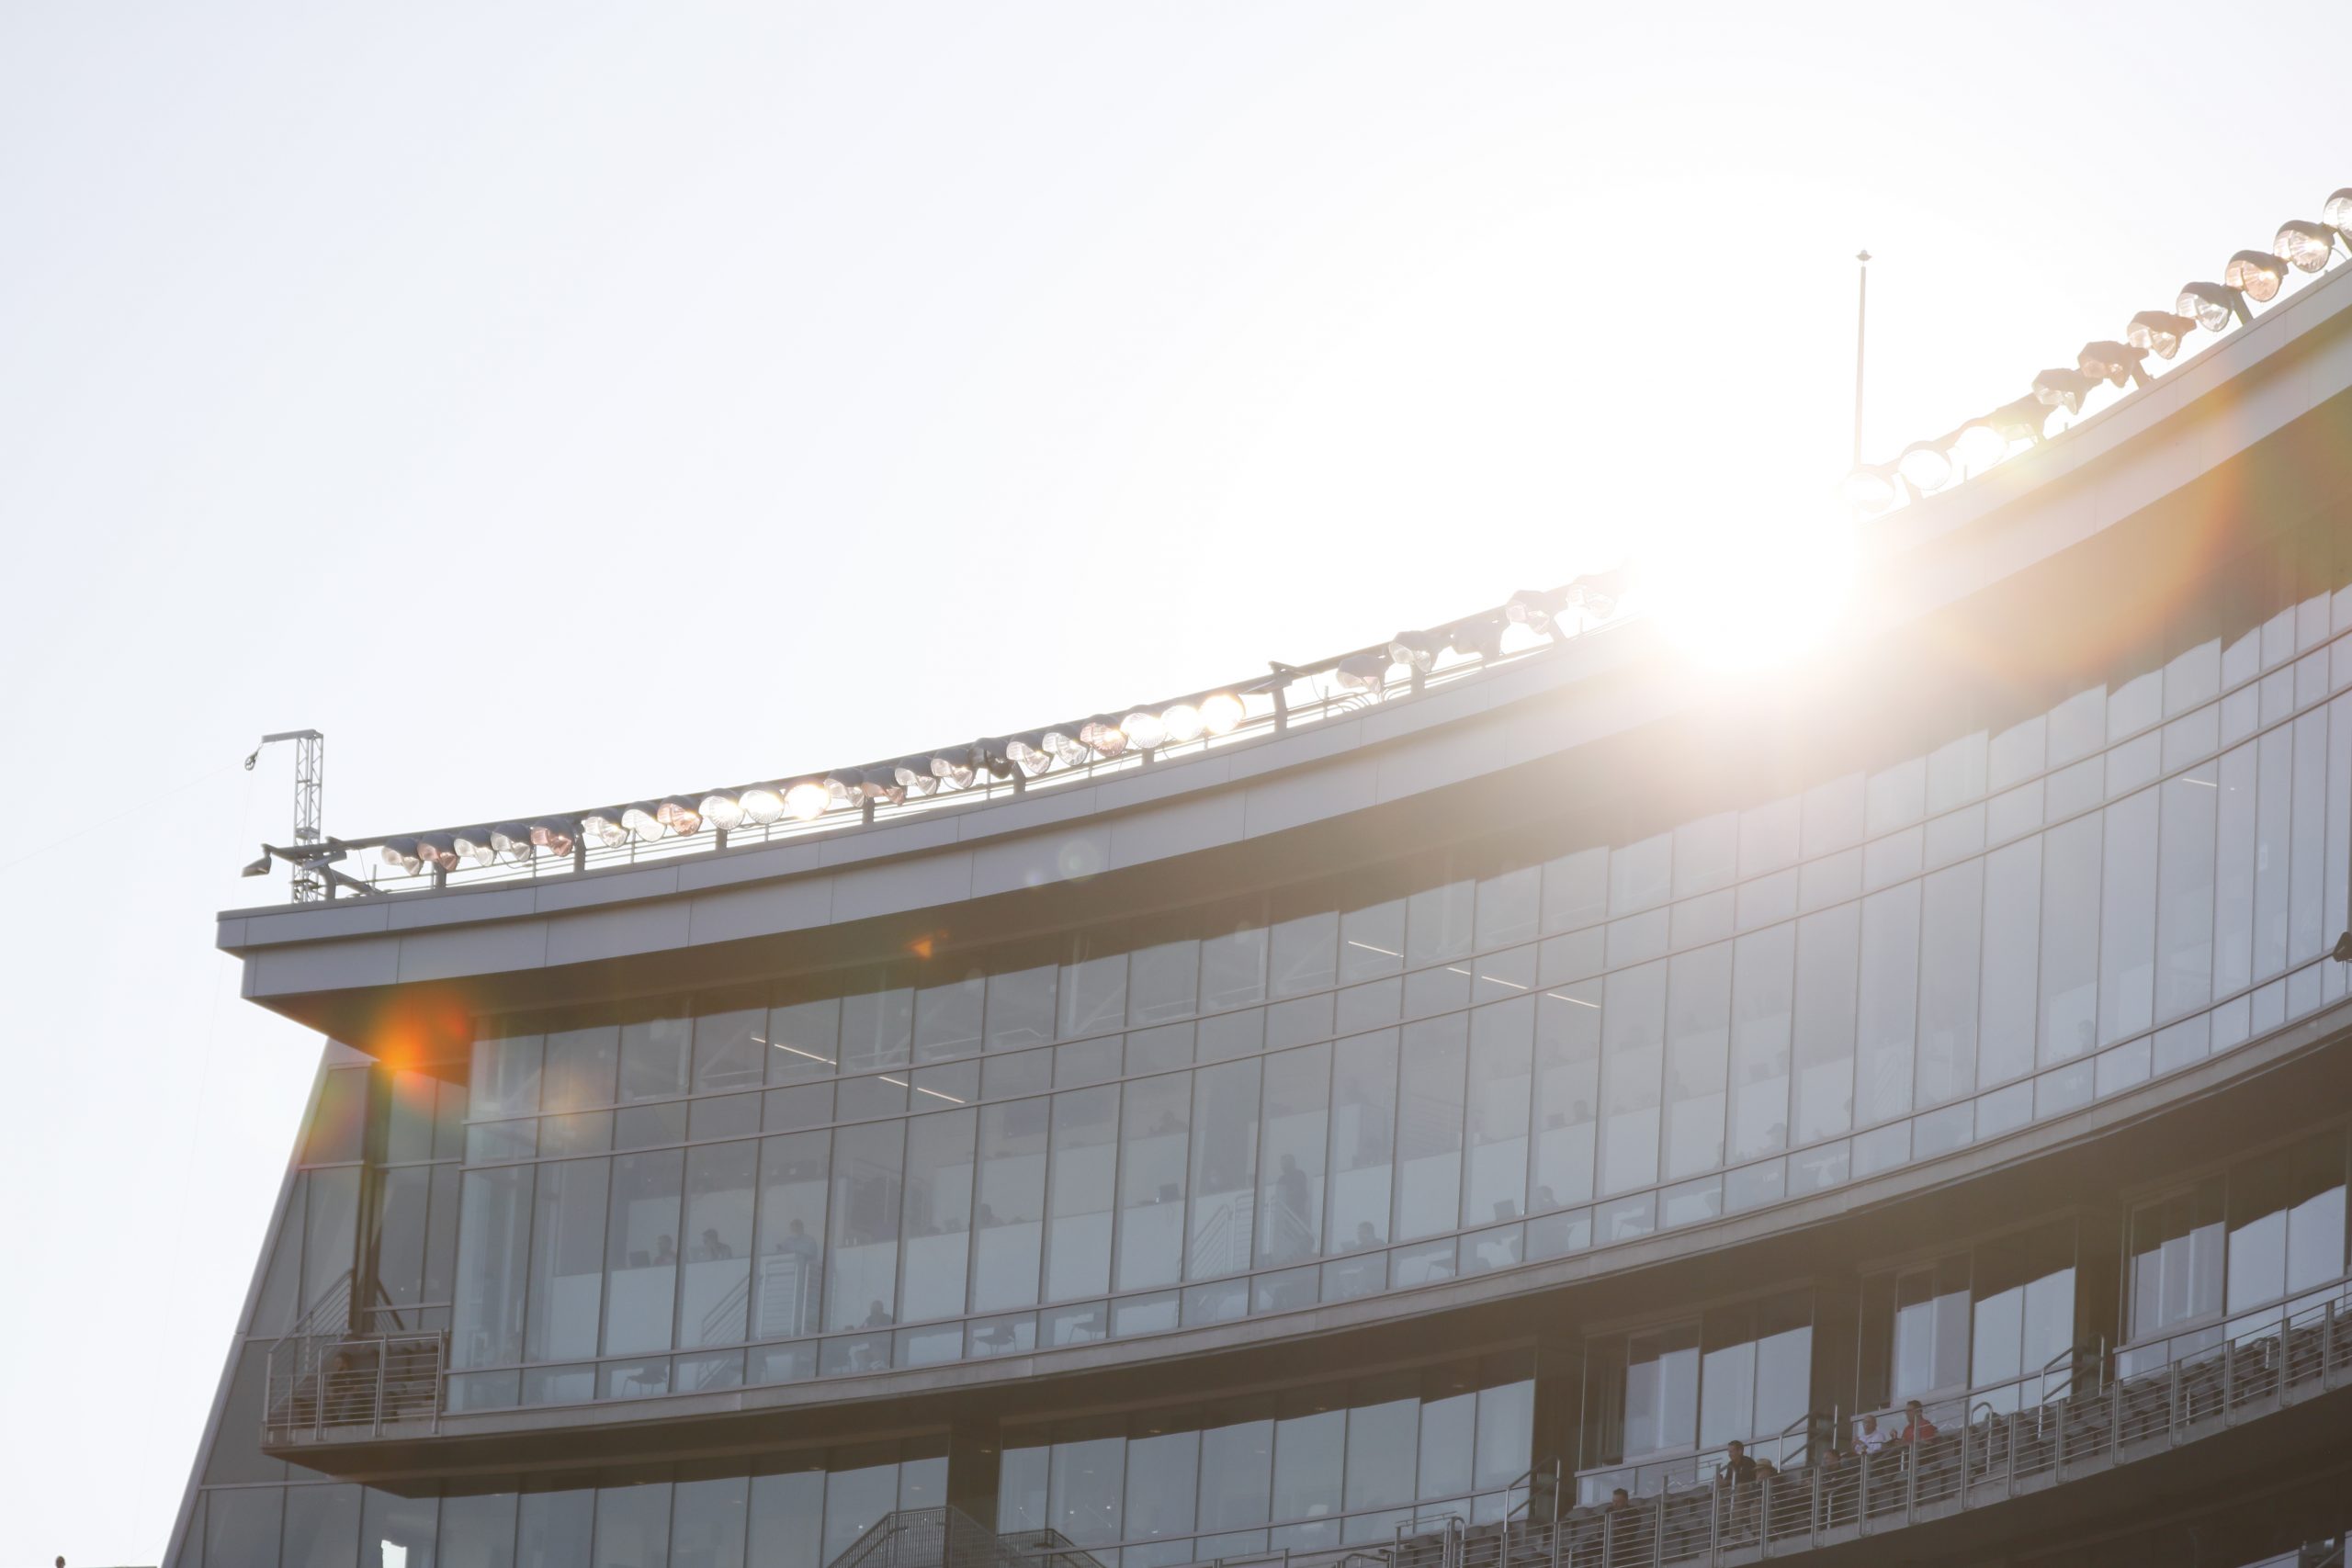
[
  {"x": 1867, "y": 1439},
  {"x": 1916, "y": 1427}
]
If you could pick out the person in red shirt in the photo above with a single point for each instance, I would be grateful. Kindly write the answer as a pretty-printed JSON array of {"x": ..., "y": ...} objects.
[{"x": 1916, "y": 1427}]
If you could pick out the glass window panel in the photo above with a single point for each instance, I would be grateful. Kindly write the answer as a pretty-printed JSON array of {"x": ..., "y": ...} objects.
[
  {"x": 641, "y": 1251},
  {"x": 331, "y": 1233},
  {"x": 1728, "y": 1376},
  {"x": 803, "y": 1040},
  {"x": 2009, "y": 1011},
  {"x": 321, "y": 1528},
  {"x": 1439, "y": 922},
  {"x": 1372, "y": 941},
  {"x": 789, "y": 1282},
  {"x": 1237, "y": 1468},
  {"x": 1641, "y": 875},
  {"x": 241, "y": 1524},
  {"x": 949, "y": 1017},
  {"x": 404, "y": 1200},
  {"x": 1897, "y": 797},
  {"x": 1163, "y": 982},
  {"x": 938, "y": 1213},
  {"x": 1829, "y": 948},
  {"x": 1930, "y": 1341},
  {"x": 1383, "y": 1442},
  {"x": 1085, "y": 1160},
  {"x": 1698, "y": 1054},
  {"x": 2070, "y": 901},
  {"x": 877, "y": 1027},
  {"x": 553, "y": 1529},
  {"x": 787, "y": 1514},
  {"x": 2256, "y": 1248},
  {"x": 339, "y": 1124},
  {"x": 397, "y": 1532},
  {"x": 1310, "y": 1447},
  {"x": 1501, "y": 1040},
  {"x": 1297, "y": 1125},
  {"x": 1233, "y": 965},
  {"x": 1363, "y": 1133},
  {"x": 1163, "y": 1469},
  {"x": 1567, "y": 1094},
  {"x": 478, "y": 1530},
  {"x": 580, "y": 1068},
  {"x": 632, "y": 1527},
  {"x": 1086, "y": 1487},
  {"x": 1783, "y": 1362},
  {"x": 1449, "y": 1431},
  {"x": 1576, "y": 889},
  {"x": 2307, "y": 877},
  {"x": 707, "y": 1523},
  {"x": 1706, "y": 851},
  {"x": 2273, "y": 819},
  {"x": 2127, "y": 952},
  {"x": 2315, "y": 1191},
  {"x": 714, "y": 1294},
  {"x": 1633, "y": 1024},
  {"x": 1950, "y": 928},
  {"x": 862, "y": 1263},
  {"x": 505, "y": 1076},
  {"x": 1305, "y": 953},
  {"x": 567, "y": 1278},
  {"x": 2234, "y": 875},
  {"x": 857, "y": 1496},
  {"x": 729, "y": 1050},
  {"x": 2185, "y": 892},
  {"x": 1224, "y": 1169},
  {"x": 2176, "y": 1258},
  {"x": 1511, "y": 907},
  {"x": 653, "y": 1058},
  {"x": 1833, "y": 815},
  {"x": 1009, "y": 1223},
  {"x": 1770, "y": 834},
  {"x": 1021, "y": 1488},
  {"x": 1887, "y": 1011},
  {"x": 1662, "y": 1390},
  {"x": 1154, "y": 1138},
  {"x": 493, "y": 1247},
  {"x": 1429, "y": 1127},
  {"x": 1763, "y": 1011}
]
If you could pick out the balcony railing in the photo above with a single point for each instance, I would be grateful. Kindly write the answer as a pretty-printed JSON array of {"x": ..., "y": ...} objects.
[{"x": 343, "y": 1386}]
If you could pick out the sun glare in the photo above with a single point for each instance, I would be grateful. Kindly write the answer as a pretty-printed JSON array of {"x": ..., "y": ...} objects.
[{"x": 1749, "y": 595}]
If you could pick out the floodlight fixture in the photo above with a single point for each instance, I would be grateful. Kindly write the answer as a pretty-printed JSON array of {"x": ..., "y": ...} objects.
[
  {"x": 1183, "y": 722},
  {"x": 473, "y": 846},
  {"x": 807, "y": 800},
  {"x": 2064, "y": 388},
  {"x": 1481, "y": 635},
  {"x": 1221, "y": 713},
  {"x": 1597, "y": 595},
  {"x": 1063, "y": 742},
  {"x": 1873, "y": 487},
  {"x": 2213, "y": 305},
  {"x": 1030, "y": 753},
  {"x": 2337, "y": 213},
  {"x": 723, "y": 809},
  {"x": 642, "y": 821},
  {"x": 511, "y": 840},
  {"x": 605, "y": 826},
  {"x": 1361, "y": 672},
  {"x": 681, "y": 815},
  {"x": 1416, "y": 650},
  {"x": 955, "y": 769},
  {"x": 2304, "y": 246},
  {"x": 399, "y": 853},
  {"x": 2117, "y": 363},
  {"x": 1103, "y": 736},
  {"x": 557, "y": 835},
  {"x": 761, "y": 803},
  {"x": 1926, "y": 465},
  {"x": 1536, "y": 609},
  {"x": 2256, "y": 274},
  {"x": 2025, "y": 419},
  {"x": 437, "y": 850},
  {"x": 2159, "y": 332},
  {"x": 1144, "y": 730}
]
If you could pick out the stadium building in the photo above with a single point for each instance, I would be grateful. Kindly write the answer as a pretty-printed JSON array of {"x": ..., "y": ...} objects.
[{"x": 1419, "y": 1108}]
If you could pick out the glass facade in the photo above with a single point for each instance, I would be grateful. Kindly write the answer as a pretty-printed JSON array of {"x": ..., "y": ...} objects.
[
  {"x": 1412, "y": 1073},
  {"x": 1339, "y": 1465}
]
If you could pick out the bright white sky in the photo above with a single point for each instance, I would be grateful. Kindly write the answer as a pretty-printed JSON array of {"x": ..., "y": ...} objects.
[{"x": 570, "y": 401}]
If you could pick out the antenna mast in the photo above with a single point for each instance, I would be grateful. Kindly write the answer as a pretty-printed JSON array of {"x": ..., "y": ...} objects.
[{"x": 309, "y": 805}]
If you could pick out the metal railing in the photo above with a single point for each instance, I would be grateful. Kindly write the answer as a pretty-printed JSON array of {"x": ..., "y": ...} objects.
[
  {"x": 944, "y": 1537},
  {"x": 344, "y": 1385}
]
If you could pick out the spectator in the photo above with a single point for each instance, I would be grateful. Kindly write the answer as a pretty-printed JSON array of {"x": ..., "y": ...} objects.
[
  {"x": 1869, "y": 1439},
  {"x": 1916, "y": 1427},
  {"x": 1619, "y": 1502}
]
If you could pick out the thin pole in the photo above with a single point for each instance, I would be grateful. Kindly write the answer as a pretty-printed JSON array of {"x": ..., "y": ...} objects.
[{"x": 1861, "y": 321}]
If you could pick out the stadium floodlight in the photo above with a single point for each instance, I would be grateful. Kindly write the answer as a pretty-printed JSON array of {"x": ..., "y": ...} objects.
[
  {"x": 438, "y": 851},
  {"x": 1063, "y": 742},
  {"x": 1183, "y": 722},
  {"x": 1872, "y": 487},
  {"x": 955, "y": 768},
  {"x": 607, "y": 827},
  {"x": 2257, "y": 274},
  {"x": 1597, "y": 595},
  {"x": 642, "y": 822},
  {"x": 2064, "y": 388},
  {"x": 2159, "y": 332},
  {"x": 511, "y": 840},
  {"x": 2117, "y": 363},
  {"x": 2026, "y": 419},
  {"x": 680, "y": 815},
  {"x": 914, "y": 776},
  {"x": 1361, "y": 672},
  {"x": 1030, "y": 753},
  {"x": 1221, "y": 713},
  {"x": 401, "y": 854},
  {"x": 557, "y": 835},
  {"x": 1481, "y": 635},
  {"x": 1103, "y": 736},
  {"x": 2304, "y": 246},
  {"x": 1926, "y": 465},
  {"x": 2212, "y": 305},
  {"x": 762, "y": 803},
  {"x": 473, "y": 845},
  {"x": 2337, "y": 213},
  {"x": 1144, "y": 730},
  {"x": 723, "y": 809},
  {"x": 1536, "y": 609},
  {"x": 807, "y": 800},
  {"x": 1415, "y": 650}
]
